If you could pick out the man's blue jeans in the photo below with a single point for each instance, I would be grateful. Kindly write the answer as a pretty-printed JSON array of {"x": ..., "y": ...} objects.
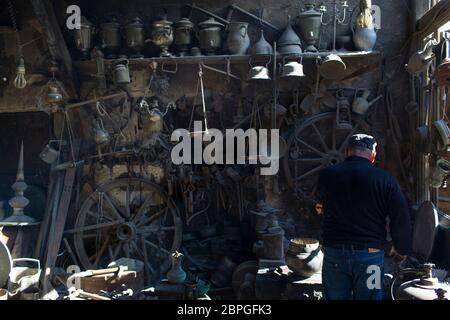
[{"x": 349, "y": 274}]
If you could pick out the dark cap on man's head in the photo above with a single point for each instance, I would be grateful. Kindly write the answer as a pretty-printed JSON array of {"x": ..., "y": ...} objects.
[{"x": 362, "y": 141}]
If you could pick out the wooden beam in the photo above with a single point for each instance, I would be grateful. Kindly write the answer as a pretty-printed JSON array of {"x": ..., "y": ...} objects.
[
  {"x": 55, "y": 41},
  {"x": 434, "y": 18}
]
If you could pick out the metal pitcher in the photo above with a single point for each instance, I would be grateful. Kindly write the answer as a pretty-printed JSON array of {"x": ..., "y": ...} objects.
[
  {"x": 238, "y": 40},
  {"x": 101, "y": 136},
  {"x": 122, "y": 73},
  {"x": 361, "y": 104},
  {"x": 49, "y": 154}
]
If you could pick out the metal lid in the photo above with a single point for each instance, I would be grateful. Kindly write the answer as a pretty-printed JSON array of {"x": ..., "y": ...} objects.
[
  {"x": 211, "y": 22},
  {"x": 5, "y": 264},
  {"x": 425, "y": 225},
  {"x": 310, "y": 11},
  {"x": 135, "y": 22},
  {"x": 184, "y": 23}
]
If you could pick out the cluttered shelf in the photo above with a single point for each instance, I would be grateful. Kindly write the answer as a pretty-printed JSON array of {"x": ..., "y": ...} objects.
[{"x": 91, "y": 65}]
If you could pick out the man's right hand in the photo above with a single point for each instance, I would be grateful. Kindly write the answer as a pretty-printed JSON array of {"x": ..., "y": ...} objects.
[{"x": 398, "y": 258}]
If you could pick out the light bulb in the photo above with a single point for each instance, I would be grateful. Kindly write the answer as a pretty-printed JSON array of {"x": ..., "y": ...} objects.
[{"x": 19, "y": 81}]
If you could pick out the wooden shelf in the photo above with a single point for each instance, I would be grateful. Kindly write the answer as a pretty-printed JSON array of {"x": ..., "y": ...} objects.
[{"x": 90, "y": 65}]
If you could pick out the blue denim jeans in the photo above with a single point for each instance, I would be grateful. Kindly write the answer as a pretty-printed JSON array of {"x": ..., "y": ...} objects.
[{"x": 349, "y": 274}]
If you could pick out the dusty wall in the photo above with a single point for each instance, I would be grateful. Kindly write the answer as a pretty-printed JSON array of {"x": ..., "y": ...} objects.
[{"x": 391, "y": 38}]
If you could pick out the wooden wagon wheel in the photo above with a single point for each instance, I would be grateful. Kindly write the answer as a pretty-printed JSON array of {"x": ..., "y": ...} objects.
[
  {"x": 131, "y": 218},
  {"x": 316, "y": 144}
]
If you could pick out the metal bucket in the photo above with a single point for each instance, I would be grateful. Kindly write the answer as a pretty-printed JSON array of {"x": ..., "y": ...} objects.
[{"x": 24, "y": 281}]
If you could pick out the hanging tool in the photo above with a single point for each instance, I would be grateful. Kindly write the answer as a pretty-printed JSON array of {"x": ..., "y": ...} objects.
[{"x": 227, "y": 73}]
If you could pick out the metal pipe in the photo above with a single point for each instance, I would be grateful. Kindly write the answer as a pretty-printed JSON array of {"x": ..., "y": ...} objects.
[
  {"x": 264, "y": 22},
  {"x": 208, "y": 13}
]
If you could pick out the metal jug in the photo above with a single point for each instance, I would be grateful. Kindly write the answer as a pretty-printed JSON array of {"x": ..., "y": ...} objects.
[
  {"x": 361, "y": 104},
  {"x": 101, "y": 136},
  {"x": 440, "y": 172},
  {"x": 238, "y": 40},
  {"x": 122, "y": 73},
  {"x": 49, "y": 154}
]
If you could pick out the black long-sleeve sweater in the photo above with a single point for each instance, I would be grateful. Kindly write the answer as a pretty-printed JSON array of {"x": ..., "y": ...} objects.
[{"x": 357, "y": 198}]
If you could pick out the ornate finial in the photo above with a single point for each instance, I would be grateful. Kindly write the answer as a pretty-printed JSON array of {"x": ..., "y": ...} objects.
[{"x": 19, "y": 202}]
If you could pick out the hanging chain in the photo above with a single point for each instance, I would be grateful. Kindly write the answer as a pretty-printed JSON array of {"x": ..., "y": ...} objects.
[{"x": 16, "y": 29}]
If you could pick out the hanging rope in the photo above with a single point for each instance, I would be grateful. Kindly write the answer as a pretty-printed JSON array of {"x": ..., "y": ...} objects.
[{"x": 16, "y": 29}]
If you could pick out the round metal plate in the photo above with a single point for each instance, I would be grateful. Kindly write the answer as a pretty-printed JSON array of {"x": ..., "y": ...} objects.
[
  {"x": 424, "y": 232},
  {"x": 5, "y": 264}
]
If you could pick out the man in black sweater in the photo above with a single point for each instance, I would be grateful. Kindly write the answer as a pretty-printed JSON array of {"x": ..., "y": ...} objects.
[{"x": 357, "y": 200}]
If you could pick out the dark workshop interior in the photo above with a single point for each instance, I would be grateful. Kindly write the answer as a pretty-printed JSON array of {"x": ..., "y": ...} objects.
[{"x": 92, "y": 205}]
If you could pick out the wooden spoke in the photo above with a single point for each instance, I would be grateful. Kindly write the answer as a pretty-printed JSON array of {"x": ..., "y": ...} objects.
[
  {"x": 324, "y": 145},
  {"x": 311, "y": 147},
  {"x": 151, "y": 244},
  {"x": 102, "y": 250},
  {"x": 310, "y": 173},
  {"x": 112, "y": 205},
  {"x": 152, "y": 217},
  {"x": 95, "y": 226}
]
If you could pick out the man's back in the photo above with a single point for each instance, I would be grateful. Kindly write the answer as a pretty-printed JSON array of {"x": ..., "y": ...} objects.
[{"x": 357, "y": 197}]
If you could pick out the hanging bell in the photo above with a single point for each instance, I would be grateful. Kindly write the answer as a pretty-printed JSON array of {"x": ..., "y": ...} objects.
[
  {"x": 292, "y": 69},
  {"x": 259, "y": 73},
  {"x": 332, "y": 67}
]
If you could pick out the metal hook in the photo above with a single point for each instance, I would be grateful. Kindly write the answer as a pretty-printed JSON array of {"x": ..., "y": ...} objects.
[{"x": 169, "y": 71}]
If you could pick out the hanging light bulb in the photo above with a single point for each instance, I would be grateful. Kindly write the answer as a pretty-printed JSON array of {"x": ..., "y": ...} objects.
[{"x": 20, "y": 82}]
